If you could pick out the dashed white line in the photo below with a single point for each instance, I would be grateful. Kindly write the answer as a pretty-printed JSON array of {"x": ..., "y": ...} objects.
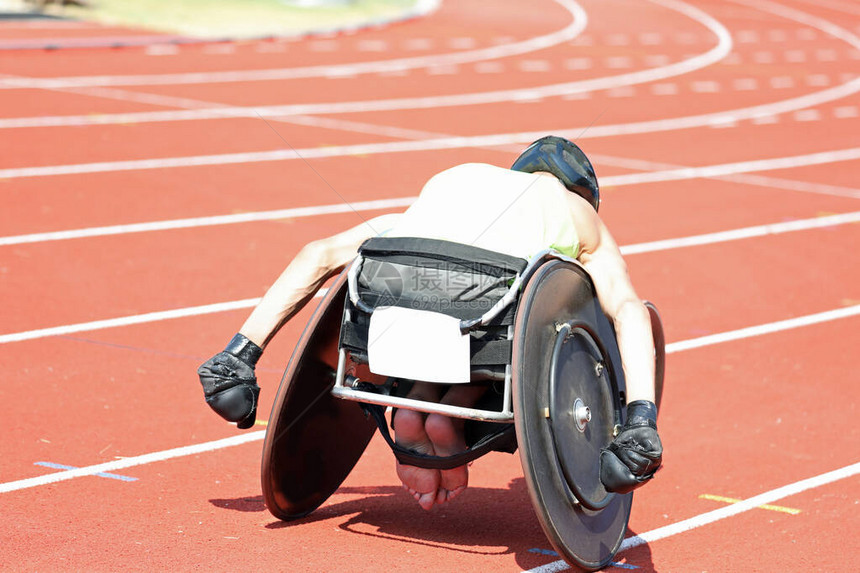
[
  {"x": 219, "y": 49},
  {"x": 806, "y": 34},
  {"x": 372, "y": 46},
  {"x": 418, "y": 44},
  {"x": 705, "y": 86},
  {"x": 534, "y": 66},
  {"x": 489, "y": 67},
  {"x": 777, "y": 35},
  {"x": 658, "y": 59},
  {"x": 323, "y": 46},
  {"x": 650, "y": 38},
  {"x": 569, "y": 32},
  {"x": 579, "y": 64},
  {"x": 623, "y": 91},
  {"x": 763, "y": 57},
  {"x": 643, "y": 76},
  {"x": 664, "y": 89},
  {"x": 807, "y": 115},
  {"x": 826, "y": 55},
  {"x": 442, "y": 70},
  {"x": 747, "y": 36},
  {"x": 687, "y": 38},
  {"x": 782, "y": 82},
  {"x": 161, "y": 50},
  {"x": 462, "y": 43},
  {"x": 619, "y": 62},
  {"x": 765, "y": 120},
  {"x": 818, "y": 80},
  {"x": 745, "y": 84},
  {"x": 795, "y": 56},
  {"x": 844, "y": 112},
  {"x": 618, "y": 40}
]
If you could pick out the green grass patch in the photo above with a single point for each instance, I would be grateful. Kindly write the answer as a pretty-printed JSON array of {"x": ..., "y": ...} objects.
[{"x": 235, "y": 18}]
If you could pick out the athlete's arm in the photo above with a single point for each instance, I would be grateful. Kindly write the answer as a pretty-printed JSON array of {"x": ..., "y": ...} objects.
[
  {"x": 229, "y": 379},
  {"x": 602, "y": 259},
  {"x": 313, "y": 265}
]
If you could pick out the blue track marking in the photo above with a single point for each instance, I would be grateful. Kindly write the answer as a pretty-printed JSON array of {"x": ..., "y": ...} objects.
[
  {"x": 611, "y": 563},
  {"x": 101, "y": 474}
]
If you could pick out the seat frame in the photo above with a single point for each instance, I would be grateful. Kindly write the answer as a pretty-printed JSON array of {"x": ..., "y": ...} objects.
[{"x": 347, "y": 387}]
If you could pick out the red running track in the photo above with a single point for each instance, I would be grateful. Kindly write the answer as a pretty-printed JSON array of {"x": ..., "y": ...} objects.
[{"x": 114, "y": 163}]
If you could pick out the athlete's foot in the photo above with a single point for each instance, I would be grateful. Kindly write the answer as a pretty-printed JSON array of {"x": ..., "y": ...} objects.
[
  {"x": 421, "y": 483},
  {"x": 447, "y": 437}
]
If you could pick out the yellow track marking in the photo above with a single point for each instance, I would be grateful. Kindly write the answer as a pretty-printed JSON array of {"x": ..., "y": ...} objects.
[{"x": 780, "y": 508}]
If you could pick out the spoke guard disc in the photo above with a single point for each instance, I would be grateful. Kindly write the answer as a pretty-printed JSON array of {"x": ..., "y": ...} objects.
[
  {"x": 580, "y": 399},
  {"x": 561, "y": 337},
  {"x": 313, "y": 440}
]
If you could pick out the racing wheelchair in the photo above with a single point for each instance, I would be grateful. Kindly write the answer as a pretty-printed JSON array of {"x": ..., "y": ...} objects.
[{"x": 531, "y": 331}]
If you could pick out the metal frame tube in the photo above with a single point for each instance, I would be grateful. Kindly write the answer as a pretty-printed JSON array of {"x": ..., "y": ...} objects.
[{"x": 421, "y": 406}]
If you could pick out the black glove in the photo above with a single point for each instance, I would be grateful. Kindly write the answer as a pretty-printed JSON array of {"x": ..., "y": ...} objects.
[
  {"x": 636, "y": 453},
  {"x": 230, "y": 384}
]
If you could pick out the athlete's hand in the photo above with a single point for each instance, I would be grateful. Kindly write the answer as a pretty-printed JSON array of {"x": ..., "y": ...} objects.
[
  {"x": 230, "y": 383},
  {"x": 636, "y": 453}
]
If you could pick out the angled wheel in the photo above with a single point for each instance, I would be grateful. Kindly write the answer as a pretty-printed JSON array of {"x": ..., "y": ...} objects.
[
  {"x": 313, "y": 440},
  {"x": 568, "y": 396}
]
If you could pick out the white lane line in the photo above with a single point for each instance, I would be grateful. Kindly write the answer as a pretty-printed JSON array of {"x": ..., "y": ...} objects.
[
  {"x": 745, "y": 178},
  {"x": 743, "y": 233},
  {"x": 760, "y": 115},
  {"x": 627, "y": 250},
  {"x": 824, "y": 157},
  {"x": 441, "y": 143},
  {"x": 722, "y": 513},
  {"x": 679, "y": 527},
  {"x": 129, "y": 320},
  {"x": 195, "y": 112},
  {"x": 137, "y": 319},
  {"x": 848, "y": 6},
  {"x": 296, "y": 212},
  {"x": 569, "y": 32},
  {"x": 753, "y": 331},
  {"x": 736, "y": 171},
  {"x": 132, "y": 461},
  {"x": 675, "y": 174}
]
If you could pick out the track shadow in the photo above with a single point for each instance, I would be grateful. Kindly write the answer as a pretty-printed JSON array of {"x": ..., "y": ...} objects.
[
  {"x": 483, "y": 521},
  {"x": 489, "y": 521},
  {"x": 639, "y": 557},
  {"x": 243, "y": 504}
]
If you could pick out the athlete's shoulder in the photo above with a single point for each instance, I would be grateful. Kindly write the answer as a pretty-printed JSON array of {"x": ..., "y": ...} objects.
[
  {"x": 589, "y": 227},
  {"x": 473, "y": 169}
]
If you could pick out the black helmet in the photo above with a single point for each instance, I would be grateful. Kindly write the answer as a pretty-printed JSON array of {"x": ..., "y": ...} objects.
[{"x": 566, "y": 161}]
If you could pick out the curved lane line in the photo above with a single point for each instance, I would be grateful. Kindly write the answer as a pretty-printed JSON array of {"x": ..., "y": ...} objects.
[
  {"x": 721, "y": 170},
  {"x": 569, "y": 32},
  {"x": 717, "y": 53},
  {"x": 586, "y": 132}
]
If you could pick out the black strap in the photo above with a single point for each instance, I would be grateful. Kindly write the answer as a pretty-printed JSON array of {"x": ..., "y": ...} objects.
[
  {"x": 467, "y": 255},
  {"x": 491, "y": 352},
  {"x": 412, "y": 458},
  {"x": 483, "y": 353}
]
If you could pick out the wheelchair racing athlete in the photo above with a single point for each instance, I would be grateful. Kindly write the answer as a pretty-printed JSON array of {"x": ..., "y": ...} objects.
[{"x": 548, "y": 199}]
